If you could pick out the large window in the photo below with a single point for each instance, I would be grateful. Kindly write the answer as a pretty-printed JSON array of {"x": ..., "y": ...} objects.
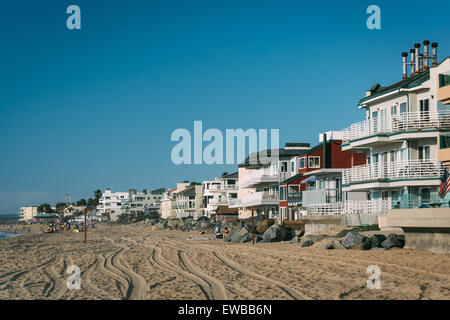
[
  {"x": 292, "y": 166},
  {"x": 284, "y": 166},
  {"x": 302, "y": 163},
  {"x": 314, "y": 162},
  {"x": 424, "y": 153},
  {"x": 444, "y": 141},
  {"x": 282, "y": 192}
]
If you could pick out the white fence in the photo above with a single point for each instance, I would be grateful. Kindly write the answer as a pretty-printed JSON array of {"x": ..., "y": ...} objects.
[
  {"x": 378, "y": 207},
  {"x": 397, "y": 123}
]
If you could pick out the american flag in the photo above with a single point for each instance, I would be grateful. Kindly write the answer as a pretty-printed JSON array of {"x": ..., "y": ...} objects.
[{"x": 445, "y": 184}]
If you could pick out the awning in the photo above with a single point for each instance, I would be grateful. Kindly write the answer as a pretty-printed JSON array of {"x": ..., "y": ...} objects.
[{"x": 311, "y": 179}]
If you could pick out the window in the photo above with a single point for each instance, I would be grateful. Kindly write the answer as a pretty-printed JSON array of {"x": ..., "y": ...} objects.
[
  {"x": 424, "y": 153},
  {"x": 444, "y": 141},
  {"x": 282, "y": 192},
  {"x": 425, "y": 195},
  {"x": 393, "y": 110},
  {"x": 302, "y": 163},
  {"x": 314, "y": 162},
  {"x": 284, "y": 166},
  {"x": 403, "y": 107},
  {"x": 292, "y": 166},
  {"x": 424, "y": 105}
]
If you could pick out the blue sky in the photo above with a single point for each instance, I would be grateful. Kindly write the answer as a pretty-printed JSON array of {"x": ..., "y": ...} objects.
[{"x": 88, "y": 109}]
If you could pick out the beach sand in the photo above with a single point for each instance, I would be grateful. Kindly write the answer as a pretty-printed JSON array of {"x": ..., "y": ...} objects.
[{"x": 136, "y": 262}]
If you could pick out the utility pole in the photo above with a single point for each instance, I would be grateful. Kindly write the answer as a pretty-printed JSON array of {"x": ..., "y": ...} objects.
[
  {"x": 85, "y": 224},
  {"x": 253, "y": 228}
]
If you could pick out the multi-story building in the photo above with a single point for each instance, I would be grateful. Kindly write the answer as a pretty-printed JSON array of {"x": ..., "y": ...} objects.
[
  {"x": 316, "y": 185},
  {"x": 110, "y": 204},
  {"x": 27, "y": 213},
  {"x": 404, "y": 136},
  {"x": 189, "y": 202},
  {"x": 168, "y": 200},
  {"x": 141, "y": 202},
  {"x": 219, "y": 192},
  {"x": 259, "y": 178}
]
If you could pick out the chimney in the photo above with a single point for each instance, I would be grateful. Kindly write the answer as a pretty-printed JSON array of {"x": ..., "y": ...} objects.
[
  {"x": 325, "y": 151},
  {"x": 434, "y": 46},
  {"x": 420, "y": 62},
  {"x": 416, "y": 54},
  {"x": 404, "y": 55},
  {"x": 425, "y": 52},
  {"x": 412, "y": 62}
]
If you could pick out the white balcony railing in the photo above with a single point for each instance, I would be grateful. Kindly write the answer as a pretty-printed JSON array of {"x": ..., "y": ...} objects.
[
  {"x": 408, "y": 169},
  {"x": 262, "y": 175},
  {"x": 378, "y": 207},
  {"x": 397, "y": 123},
  {"x": 216, "y": 187}
]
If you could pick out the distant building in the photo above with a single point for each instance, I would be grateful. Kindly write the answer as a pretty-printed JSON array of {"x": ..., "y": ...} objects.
[
  {"x": 189, "y": 202},
  {"x": 73, "y": 210},
  {"x": 27, "y": 213},
  {"x": 141, "y": 202},
  {"x": 168, "y": 201},
  {"x": 219, "y": 192},
  {"x": 110, "y": 204}
]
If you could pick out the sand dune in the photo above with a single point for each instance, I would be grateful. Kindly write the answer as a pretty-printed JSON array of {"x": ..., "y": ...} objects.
[{"x": 135, "y": 262}]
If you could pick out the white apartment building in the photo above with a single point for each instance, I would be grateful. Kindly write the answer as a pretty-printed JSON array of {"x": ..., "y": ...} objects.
[
  {"x": 111, "y": 203},
  {"x": 27, "y": 213},
  {"x": 400, "y": 136},
  {"x": 258, "y": 190},
  {"x": 219, "y": 192}
]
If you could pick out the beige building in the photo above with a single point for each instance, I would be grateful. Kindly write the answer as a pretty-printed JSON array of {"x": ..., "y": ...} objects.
[
  {"x": 27, "y": 213},
  {"x": 189, "y": 202},
  {"x": 73, "y": 210},
  {"x": 168, "y": 201}
]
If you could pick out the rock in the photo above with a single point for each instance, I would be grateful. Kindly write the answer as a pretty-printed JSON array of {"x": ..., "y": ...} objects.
[
  {"x": 301, "y": 233},
  {"x": 240, "y": 236},
  {"x": 272, "y": 234},
  {"x": 295, "y": 239},
  {"x": 264, "y": 225},
  {"x": 307, "y": 243},
  {"x": 365, "y": 245},
  {"x": 333, "y": 245},
  {"x": 377, "y": 239},
  {"x": 352, "y": 239},
  {"x": 393, "y": 241}
]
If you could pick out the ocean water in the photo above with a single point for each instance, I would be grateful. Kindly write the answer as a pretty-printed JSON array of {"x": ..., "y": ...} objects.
[{"x": 4, "y": 235}]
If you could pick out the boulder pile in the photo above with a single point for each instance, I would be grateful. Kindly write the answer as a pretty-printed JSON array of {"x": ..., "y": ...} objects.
[{"x": 239, "y": 231}]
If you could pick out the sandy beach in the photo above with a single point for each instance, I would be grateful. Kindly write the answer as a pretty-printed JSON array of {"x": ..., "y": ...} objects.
[{"x": 136, "y": 262}]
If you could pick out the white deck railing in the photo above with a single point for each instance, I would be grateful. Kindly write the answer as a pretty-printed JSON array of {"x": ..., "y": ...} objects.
[
  {"x": 378, "y": 207},
  {"x": 256, "y": 199},
  {"x": 397, "y": 123},
  {"x": 257, "y": 176},
  {"x": 408, "y": 169}
]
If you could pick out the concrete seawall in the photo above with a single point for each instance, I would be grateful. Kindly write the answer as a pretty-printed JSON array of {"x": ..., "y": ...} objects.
[{"x": 427, "y": 228}]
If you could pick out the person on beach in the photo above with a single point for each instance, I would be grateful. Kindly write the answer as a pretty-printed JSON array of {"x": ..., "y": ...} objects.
[{"x": 225, "y": 233}]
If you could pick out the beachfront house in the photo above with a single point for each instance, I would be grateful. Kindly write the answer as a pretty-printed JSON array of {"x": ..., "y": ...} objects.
[
  {"x": 219, "y": 192},
  {"x": 189, "y": 202},
  {"x": 258, "y": 190},
  {"x": 110, "y": 204},
  {"x": 168, "y": 200},
  {"x": 142, "y": 202},
  {"x": 315, "y": 188},
  {"x": 404, "y": 136}
]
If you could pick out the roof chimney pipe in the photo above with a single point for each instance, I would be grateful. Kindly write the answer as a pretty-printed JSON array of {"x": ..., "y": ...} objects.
[
  {"x": 425, "y": 52},
  {"x": 417, "y": 48},
  {"x": 420, "y": 62},
  {"x": 404, "y": 55},
  {"x": 412, "y": 62},
  {"x": 434, "y": 46}
]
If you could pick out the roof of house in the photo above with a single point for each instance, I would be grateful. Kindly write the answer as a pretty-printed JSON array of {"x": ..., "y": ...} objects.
[
  {"x": 222, "y": 210},
  {"x": 291, "y": 179},
  {"x": 267, "y": 153},
  {"x": 230, "y": 176},
  {"x": 188, "y": 191},
  {"x": 407, "y": 83},
  {"x": 158, "y": 191}
]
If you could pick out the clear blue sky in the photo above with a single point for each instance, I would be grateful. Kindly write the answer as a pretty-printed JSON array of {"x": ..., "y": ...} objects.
[{"x": 88, "y": 109}]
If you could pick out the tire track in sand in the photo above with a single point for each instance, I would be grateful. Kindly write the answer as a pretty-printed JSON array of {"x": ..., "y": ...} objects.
[
  {"x": 204, "y": 286},
  {"x": 217, "y": 288},
  {"x": 289, "y": 291}
]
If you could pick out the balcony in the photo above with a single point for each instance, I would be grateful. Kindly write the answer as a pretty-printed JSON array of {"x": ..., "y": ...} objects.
[
  {"x": 410, "y": 169},
  {"x": 262, "y": 198},
  {"x": 258, "y": 177},
  {"x": 222, "y": 188},
  {"x": 294, "y": 197},
  {"x": 396, "y": 124}
]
